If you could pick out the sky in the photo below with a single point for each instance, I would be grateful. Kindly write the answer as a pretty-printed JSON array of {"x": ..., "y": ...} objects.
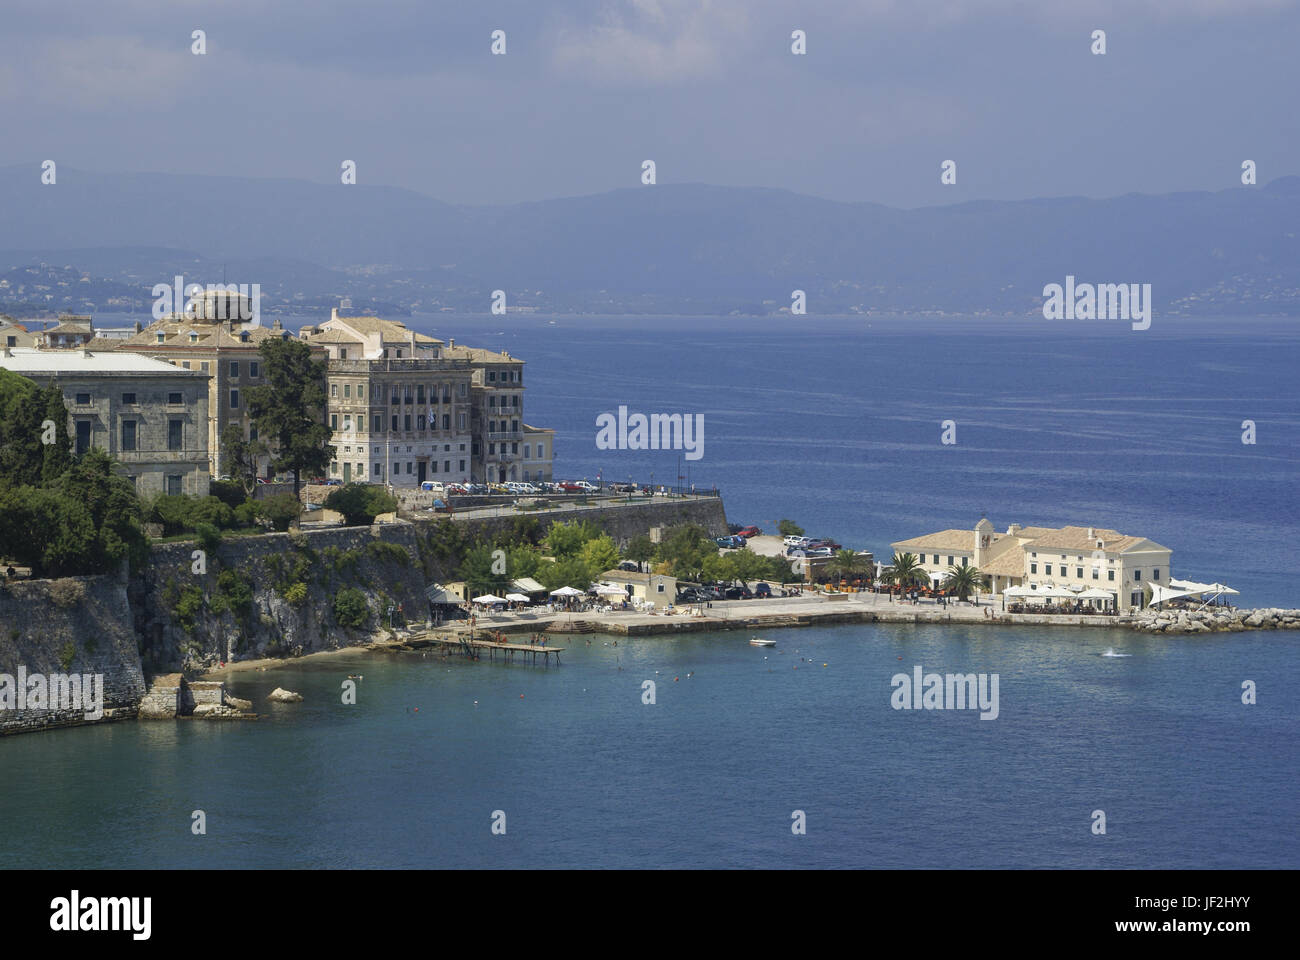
[{"x": 710, "y": 90}]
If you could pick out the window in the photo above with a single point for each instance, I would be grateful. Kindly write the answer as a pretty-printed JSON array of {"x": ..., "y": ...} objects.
[
  {"x": 175, "y": 398},
  {"x": 463, "y": 388},
  {"x": 83, "y": 436},
  {"x": 128, "y": 398},
  {"x": 408, "y": 466},
  {"x": 446, "y": 466},
  {"x": 334, "y": 421},
  {"x": 175, "y": 434},
  {"x": 343, "y": 353},
  {"x": 234, "y": 399},
  {"x": 361, "y": 391},
  {"x": 128, "y": 434},
  {"x": 1033, "y": 568},
  {"x": 394, "y": 423},
  {"x": 1110, "y": 574},
  {"x": 11, "y": 341},
  {"x": 492, "y": 448},
  {"x": 253, "y": 368},
  {"x": 83, "y": 399},
  {"x": 174, "y": 485},
  {"x": 936, "y": 558},
  {"x": 379, "y": 423},
  {"x": 541, "y": 452},
  {"x": 1137, "y": 575},
  {"x": 963, "y": 561},
  {"x": 1096, "y": 573},
  {"x": 185, "y": 364},
  {"x": 234, "y": 368},
  {"x": 203, "y": 366},
  {"x": 514, "y": 426},
  {"x": 407, "y": 422},
  {"x": 252, "y": 433},
  {"x": 433, "y": 464},
  {"x": 950, "y": 563},
  {"x": 527, "y": 454},
  {"x": 1078, "y": 572},
  {"x": 492, "y": 376},
  {"x": 514, "y": 448},
  {"x": 334, "y": 390},
  {"x": 1047, "y": 569},
  {"x": 1155, "y": 574},
  {"x": 446, "y": 421}
]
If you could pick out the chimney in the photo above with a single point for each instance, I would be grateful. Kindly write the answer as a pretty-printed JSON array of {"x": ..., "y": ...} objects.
[
  {"x": 1092, "y": 534},
  {"x": 1013, "y": 529},
  {"x": 334, "y": 313},
  {"x": 451, "y": 343}
]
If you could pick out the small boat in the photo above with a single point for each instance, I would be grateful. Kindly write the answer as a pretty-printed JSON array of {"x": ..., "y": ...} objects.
[{"x": 760, "y": 642}]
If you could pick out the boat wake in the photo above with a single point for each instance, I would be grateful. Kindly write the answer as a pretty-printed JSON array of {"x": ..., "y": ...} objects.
[{"x": 1112, "y": 653}]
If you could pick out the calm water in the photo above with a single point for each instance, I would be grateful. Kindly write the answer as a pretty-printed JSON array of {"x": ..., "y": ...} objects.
[
  {"x": 709, "y": 775},
  {"x": 836, "y": 425}
]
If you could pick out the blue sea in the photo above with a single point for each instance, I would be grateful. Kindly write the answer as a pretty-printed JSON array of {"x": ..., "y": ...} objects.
[{"x": 835, "y": 424}]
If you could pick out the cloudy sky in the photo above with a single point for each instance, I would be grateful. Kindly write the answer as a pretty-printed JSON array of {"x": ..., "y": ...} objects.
[{"x": 708, "y": 89}]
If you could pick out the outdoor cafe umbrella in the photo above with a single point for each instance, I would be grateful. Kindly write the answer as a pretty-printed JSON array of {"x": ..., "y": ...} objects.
[
  {"x": 608, "y": 589},
  {"x": 566, "y": 592},
  {"x": 516, "y": 597},
  {"x": 488, "y": 598}
]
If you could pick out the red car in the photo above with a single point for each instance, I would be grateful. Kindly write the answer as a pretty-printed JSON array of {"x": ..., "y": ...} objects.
[
  {"x": 570, "y": 487},
  {"x": 748, "y": 532}
]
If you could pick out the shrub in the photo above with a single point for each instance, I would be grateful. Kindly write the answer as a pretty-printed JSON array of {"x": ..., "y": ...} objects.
[
  {"x": 351, "y": 608},
  {"x": 280, "y": 510},
  {"x": 66, "y": 655},
  {"x": 207, "y": 535},
  {"x": 388, "y": 552},
  {"x": 296, "y": 594},
  {"x": 67, "y": 593},
  {"x": 360, "y": 503}
]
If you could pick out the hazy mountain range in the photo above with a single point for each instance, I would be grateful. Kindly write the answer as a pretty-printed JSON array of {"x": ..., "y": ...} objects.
[{"x": 663, "y": 248}]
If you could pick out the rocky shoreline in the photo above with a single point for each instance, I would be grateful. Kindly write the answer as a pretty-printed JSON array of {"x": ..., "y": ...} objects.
[{"x": 1210, "y": 620}]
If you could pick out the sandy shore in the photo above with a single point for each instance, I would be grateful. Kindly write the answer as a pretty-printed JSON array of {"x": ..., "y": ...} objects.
[{"x": 270, "y": 663}]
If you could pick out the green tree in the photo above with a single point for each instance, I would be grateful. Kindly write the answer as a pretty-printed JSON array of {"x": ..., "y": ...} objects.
[
  {"x": 52, "y": 534},
  {"x": 240, "y": 456},
  {"x": 570, "y": 572},
  {"x": 359, "y": 503},
  {"x": 57, "y": 456},
  {"x": 566, "y": 539},
  {"x": 280, "y": 510},
  {"x": 964, "y": 580},
  {"x": 289, "y": 408},
  {"x": 640, "y": 549},
  {"x": 114, "y": 509},
  {"x": 22, "y": 455},
  {"x": 599, "y": 554},
  {"x": 846, "y": 563},
  {"x": 788, "y": 528},
  {"x": 685, "y": 549},
  {"x": 351, "y": 609},
  {"x": 905, "y": 570},
  {"x": 479, "y": 570}
]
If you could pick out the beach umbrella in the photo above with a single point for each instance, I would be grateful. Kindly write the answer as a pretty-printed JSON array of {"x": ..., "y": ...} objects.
[
  {"x": 566, "y": 592},
  {"x": 488, "y": 598},
  {"x": 516, "y": 597}
]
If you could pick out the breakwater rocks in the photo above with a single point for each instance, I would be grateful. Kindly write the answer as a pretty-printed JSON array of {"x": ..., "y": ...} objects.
[{"x": 1210, "y": 620}]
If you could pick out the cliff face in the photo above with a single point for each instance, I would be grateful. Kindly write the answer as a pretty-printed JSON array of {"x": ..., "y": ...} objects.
[
  {"x": 76, "y": 626},
  {"x": 274, "y": 595}
]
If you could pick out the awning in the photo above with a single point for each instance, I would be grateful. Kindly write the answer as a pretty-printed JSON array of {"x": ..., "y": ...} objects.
[
  {"x": 516, "y": 597},
  {"x": 1094, "y": 593},
  {"x": 437, "y": 593},
  {"x": 609, "y": 590},
  {"x": 488, "y": 598},
  {"x": 527, "y": 585}
]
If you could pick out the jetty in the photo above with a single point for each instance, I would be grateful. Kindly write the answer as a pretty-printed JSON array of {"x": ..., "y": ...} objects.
[{"x": 473, "y": 647}]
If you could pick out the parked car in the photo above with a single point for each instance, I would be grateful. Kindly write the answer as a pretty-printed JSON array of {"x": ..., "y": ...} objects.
[
  {"x": 741, "y": 592},
  {"x": 819, "y": 544},
  {"x": 748, "y": 532},
  {"x": 793, "y": 541},
  {"x": 432, "y": 486},
  {"x": 586, "y": 487},
  {"x": 630, "y": 565},
  {"x": 333, "y": 482},
  {"x": 762, "y": 591},
  {"x": 317, "y": 481}
]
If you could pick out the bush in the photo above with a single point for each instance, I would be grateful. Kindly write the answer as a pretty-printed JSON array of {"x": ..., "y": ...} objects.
[
  {"x": 296, "y": 594},
  {"x": 360, "y": 503},
  {"x": 788, "y": 528},
  {"x": 388, "y": 552},
  {"x": 229, "y": 492},
  {"x": 66, "y": 655},
  {"x": 67, "y": 593},
  {"x": 351, "y": 608},
  {"x": 235, "y": 589},
  {"x": 207, "y": 535},
  {"x": 280, "y": 510}
]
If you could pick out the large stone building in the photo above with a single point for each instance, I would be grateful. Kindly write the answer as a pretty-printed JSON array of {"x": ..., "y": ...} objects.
[
  {"x": 225, "y": 350},
  {"x": 148, "y": 414},
  {"x": 1070, "y": 558},
  {"x": 406, "y": 407},
  {"x": 15, "y": 334}
]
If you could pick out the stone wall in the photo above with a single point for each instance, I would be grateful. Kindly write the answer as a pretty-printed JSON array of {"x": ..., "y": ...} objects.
[{"x": 78, "y": 625}]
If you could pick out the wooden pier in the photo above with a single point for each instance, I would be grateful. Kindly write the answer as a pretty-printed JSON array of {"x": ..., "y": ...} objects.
[{"x": 473, "y": 648}]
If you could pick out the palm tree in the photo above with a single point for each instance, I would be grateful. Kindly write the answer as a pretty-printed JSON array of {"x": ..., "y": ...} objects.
[
  {"x": 905, "y": 570},
  {"x": 965, "y": 580},
  {"x": 845, "y": 563}
]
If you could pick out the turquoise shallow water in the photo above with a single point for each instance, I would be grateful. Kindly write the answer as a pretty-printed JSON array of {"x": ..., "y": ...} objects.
[{"x": 709, "y": 775}]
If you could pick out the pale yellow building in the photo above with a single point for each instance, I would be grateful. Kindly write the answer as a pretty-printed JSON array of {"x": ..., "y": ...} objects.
[{"x": 1071, "y": 558}]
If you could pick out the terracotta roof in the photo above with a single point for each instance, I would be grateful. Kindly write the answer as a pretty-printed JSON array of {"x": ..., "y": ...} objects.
[{"x": 943, "y": 540}]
